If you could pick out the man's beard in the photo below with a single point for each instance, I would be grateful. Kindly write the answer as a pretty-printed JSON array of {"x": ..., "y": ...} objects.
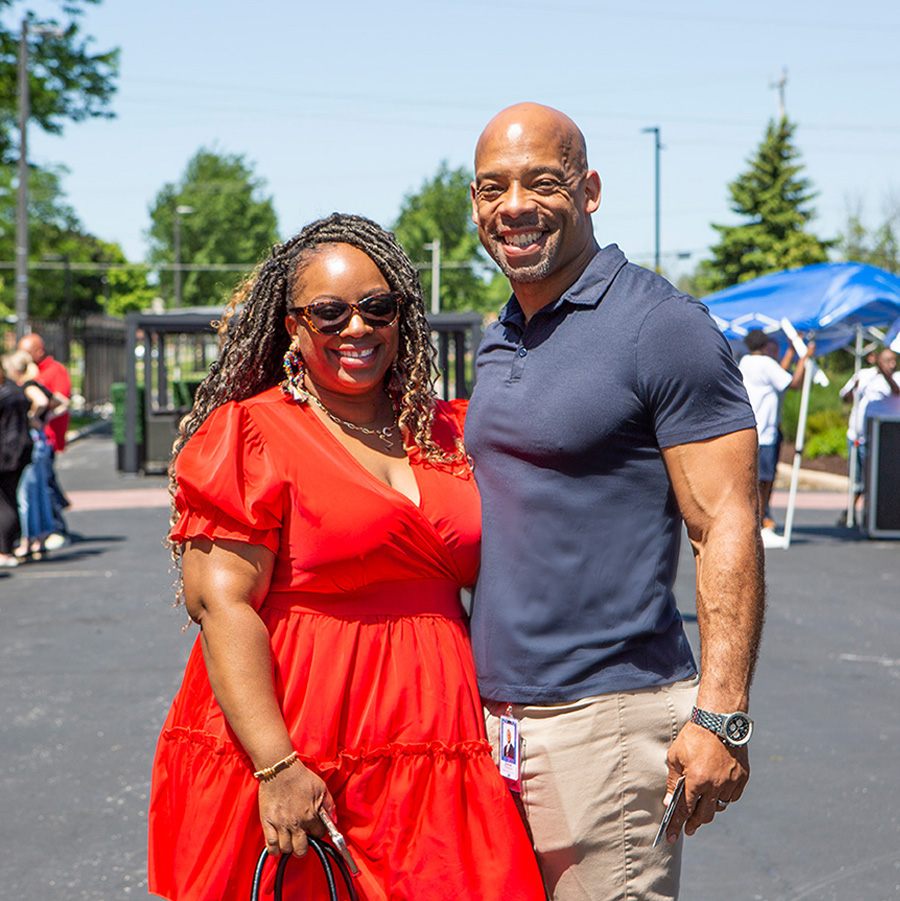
[
  {"x": 526, "y": 274},
  {"x": 531, "y": 273}
]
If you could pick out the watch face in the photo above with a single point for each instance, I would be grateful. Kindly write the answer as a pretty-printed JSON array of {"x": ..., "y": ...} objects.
[{"x": 737, "y": 728}]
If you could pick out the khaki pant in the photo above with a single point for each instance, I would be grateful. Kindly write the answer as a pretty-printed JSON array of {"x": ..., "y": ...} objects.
[{"x": 593, "y": 783}]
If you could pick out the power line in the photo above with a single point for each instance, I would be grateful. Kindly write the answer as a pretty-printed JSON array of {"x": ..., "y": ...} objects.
[{"x": 664, "y": 12}]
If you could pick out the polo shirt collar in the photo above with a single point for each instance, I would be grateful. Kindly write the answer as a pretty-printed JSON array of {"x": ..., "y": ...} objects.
[{"x": 588, "y": 291}]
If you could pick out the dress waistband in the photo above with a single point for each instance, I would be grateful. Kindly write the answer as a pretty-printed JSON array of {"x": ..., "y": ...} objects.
[{"x": 411, "y": 597}]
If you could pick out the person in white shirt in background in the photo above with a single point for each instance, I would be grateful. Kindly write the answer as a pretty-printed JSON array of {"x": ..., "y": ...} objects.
[
  {"x": 872, "y": 386},
  {"x": 766, "y": 379}
]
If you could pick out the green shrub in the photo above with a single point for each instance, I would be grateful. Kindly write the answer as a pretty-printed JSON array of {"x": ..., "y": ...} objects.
[
  {"x": 826, "y": 409},
  {"x": 118, "y": 392},
  {"x": 80, "y": 420},
  {"x": 827, "y": 442},
  {"x": 825, "y": 420}
]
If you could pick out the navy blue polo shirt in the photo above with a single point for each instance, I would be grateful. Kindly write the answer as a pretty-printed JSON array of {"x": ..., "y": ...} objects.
[{"x": 581, "y": 531}]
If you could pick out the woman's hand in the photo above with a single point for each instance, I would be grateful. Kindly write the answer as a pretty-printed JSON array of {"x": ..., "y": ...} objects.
[
  {"x": 289, "y": 807},
  {"x": 224, "y": 582}
]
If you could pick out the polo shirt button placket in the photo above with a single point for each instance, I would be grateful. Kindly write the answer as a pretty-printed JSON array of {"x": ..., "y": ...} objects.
[{"x": 518, "y": 365}]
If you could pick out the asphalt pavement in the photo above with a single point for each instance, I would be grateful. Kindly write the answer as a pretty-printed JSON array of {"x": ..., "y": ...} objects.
[{"x": 91, "y": 653}]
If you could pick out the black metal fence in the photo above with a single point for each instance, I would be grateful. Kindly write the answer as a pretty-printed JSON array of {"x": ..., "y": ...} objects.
[
  {"x": 103, "y": 353},
  {"x": 92, "y": 347}
]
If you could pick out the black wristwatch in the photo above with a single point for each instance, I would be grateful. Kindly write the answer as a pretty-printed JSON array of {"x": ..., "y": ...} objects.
[{"x": 734, "y": 729}]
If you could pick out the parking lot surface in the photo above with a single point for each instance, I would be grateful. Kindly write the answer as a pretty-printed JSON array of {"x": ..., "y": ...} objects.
[{"x": 91, "y": 653}]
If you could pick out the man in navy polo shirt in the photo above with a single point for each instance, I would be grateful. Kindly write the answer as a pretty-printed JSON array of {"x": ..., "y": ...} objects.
[{"x": 607, "y": 408}]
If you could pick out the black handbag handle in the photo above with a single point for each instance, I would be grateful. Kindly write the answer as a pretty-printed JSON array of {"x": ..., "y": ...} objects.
[{"x": 328, "y": 857}]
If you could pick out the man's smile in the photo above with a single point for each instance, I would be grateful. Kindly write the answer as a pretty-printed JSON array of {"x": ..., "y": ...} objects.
[{"x": 522, "y": 239}]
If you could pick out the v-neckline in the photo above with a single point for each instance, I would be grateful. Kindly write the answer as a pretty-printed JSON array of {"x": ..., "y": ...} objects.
[{"x": 362, "y": 467}]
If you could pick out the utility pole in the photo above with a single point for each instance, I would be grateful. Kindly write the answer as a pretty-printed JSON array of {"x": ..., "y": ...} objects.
[
  {"x": 180, "y": 211},
  {"x": 655, "y": 131},
  {"x": 780, "y": 85},
  {"x": 23, "y": 325},
  {"x": 435, "y": 248}
]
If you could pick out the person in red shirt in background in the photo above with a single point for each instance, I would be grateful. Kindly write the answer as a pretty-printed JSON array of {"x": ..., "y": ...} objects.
[{"x": 55, "y": 377}]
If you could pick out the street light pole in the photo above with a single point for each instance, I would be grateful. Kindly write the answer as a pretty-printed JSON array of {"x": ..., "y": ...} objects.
[
  {"x": 655, "y": 131},
  {"x": 179, "y": 212},
  {"x": 435, "y": 248},
  {"x": 23, "y": 326}
]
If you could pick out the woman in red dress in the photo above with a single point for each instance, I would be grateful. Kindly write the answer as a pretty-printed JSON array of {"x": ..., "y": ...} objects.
[{"x": 325, "y": 527}]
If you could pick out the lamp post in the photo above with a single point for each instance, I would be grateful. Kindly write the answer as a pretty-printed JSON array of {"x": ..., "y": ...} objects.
[
  {"x": 22, "y": 321},
  {"x": 655, "y": 131},
  {"x": 435, "y": 248},
  {"x": 180, "y": 211}
]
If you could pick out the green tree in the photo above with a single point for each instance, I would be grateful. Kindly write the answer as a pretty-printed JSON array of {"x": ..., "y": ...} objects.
[
  {"x": 878, "y": 247},
  {"x": 58, "y": 242},
  {"x": 441, "y": 209},
  {"x": 129, "y": 291},
  {"x": 774, "y": 200},
  {"x": 125, "y": 287},
  {"x": 231, "y": 222},
  {"x": 67, "y": 80}
]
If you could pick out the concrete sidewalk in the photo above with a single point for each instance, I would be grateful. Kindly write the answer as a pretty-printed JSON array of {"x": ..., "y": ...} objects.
[{"x": 92, "y": 652}]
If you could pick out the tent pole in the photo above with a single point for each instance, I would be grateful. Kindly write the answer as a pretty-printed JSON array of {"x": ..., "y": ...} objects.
[
  {"x": 853, "y": 463},
  {"x": 798, "y": 450}
]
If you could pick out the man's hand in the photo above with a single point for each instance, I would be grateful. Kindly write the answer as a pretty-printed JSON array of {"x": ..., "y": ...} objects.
[{"x": 715, "y": 776}]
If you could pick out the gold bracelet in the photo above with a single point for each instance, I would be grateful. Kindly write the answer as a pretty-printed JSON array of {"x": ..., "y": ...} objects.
[{"x": 270, "y": 772}]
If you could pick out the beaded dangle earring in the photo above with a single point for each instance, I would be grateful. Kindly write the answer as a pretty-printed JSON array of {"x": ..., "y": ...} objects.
[
  {"x": 294, "y": 370},
  {"x": 394, "y": 387}
]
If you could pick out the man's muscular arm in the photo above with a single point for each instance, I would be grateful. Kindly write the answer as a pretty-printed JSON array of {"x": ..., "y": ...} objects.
[{"x": 715, "y": 484}]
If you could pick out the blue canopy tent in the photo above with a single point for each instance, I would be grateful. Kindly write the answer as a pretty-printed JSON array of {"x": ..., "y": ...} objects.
[
  {"x": 835, "y": 304},
  {"x": 830, "y": 300}
]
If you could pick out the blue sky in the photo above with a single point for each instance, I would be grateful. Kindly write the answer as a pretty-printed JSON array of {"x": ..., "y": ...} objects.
[{"x": 345, "y": 105}]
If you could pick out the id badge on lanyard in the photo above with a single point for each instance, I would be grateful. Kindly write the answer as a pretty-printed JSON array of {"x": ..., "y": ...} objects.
[{"x": 510, "y": 750}]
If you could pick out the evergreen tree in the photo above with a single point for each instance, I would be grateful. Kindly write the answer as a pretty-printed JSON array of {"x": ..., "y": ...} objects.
[{"x": 774, "y": 200}]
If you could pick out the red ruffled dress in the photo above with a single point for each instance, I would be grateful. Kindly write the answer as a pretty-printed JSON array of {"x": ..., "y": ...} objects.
[{"x": 372, "y": 668}]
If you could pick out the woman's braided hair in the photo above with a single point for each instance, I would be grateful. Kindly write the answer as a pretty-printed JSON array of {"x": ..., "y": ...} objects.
[
  {"x": 253, "y": 341},
  {"x": 253, "y": 338}
]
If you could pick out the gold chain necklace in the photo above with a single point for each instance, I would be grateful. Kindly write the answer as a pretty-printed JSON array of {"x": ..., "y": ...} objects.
[{"x": 385, "y": 435}]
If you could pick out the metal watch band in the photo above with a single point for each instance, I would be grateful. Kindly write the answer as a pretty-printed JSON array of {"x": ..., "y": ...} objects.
[
  {"x": 734, "y": 729},
  {"x": 711, "y": 721}
]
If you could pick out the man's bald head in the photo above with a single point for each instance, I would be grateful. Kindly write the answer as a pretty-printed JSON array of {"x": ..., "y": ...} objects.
[
  {"x": 538, "y": 122},
  {"x": 33, "y": 345}
]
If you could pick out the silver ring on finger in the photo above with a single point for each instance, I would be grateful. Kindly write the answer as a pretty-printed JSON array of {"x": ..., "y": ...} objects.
[{"x": 721, "y": 805}]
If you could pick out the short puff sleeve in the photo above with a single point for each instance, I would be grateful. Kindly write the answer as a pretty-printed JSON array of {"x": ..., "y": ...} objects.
[{"x": 228, "y": 485}]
